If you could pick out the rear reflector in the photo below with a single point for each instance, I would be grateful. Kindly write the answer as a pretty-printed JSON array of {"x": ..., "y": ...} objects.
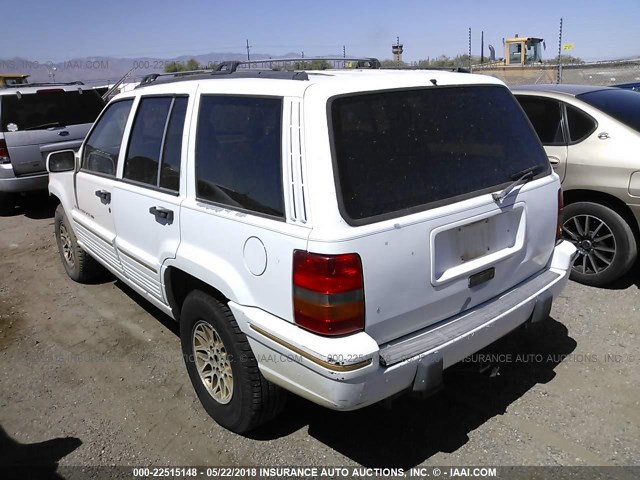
[{"x": 328, "y": 292}]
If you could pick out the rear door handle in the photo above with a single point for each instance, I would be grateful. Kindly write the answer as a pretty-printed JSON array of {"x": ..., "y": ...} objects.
[
  {"x": 161, "y": 212},
  {"x": 554, "y": 161},
  {"x": 105, "y": 196}
]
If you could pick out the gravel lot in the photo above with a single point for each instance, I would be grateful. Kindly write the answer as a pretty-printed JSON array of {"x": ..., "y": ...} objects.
[{"x": 93, "y": 375}]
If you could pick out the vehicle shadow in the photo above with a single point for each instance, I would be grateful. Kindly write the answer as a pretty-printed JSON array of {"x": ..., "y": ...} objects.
[
  {"x": 411, "y": 431},
  {"x": 35, "y": 460},
  {"x": 630, "y": 279},
  {"x": 35, "y": 205},
  {"x": 166, "y": 321}
]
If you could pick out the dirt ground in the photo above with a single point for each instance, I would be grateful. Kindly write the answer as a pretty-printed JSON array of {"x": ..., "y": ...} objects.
[{"x": 93, "y": 375}]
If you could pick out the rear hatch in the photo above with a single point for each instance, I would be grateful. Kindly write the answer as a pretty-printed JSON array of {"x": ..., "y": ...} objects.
[
  {"x": 33, "y": 123},
  {"x": 415, "y": 171}
]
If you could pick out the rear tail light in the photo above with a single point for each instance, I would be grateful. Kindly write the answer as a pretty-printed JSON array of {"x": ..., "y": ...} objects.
[
  {"x": 328, "y": 292},
  {"x": 4, "y": 153},
  {"x": 560, "y": 215}
]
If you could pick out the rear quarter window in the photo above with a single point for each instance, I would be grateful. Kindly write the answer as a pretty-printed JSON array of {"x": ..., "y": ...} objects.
[{"x": 401, "y": 151}]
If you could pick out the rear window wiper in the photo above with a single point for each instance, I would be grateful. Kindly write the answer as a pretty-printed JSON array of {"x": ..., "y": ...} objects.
[
  {"x": 44, "y": 125},
  {"x": 519, "y": 178}
]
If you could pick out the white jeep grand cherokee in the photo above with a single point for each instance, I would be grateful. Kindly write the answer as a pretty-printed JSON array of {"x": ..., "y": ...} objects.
[{"x": 343, "y": 235}]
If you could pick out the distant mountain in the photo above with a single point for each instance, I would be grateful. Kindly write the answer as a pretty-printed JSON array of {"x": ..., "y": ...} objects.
[{"x": 103, "y": 70}]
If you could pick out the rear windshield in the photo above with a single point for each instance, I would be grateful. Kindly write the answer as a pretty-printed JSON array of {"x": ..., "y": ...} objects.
[
  {"x": 623, "y": 105},
  {"x": 49, "y": 109},
  {"x": 402, "y": 151}
]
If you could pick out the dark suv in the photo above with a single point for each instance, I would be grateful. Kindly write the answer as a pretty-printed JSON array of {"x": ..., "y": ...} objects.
[{"x": 36, "y": 119}]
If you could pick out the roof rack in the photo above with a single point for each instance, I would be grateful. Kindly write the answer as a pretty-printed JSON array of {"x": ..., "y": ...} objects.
[
  {"x": 301, "y": 63},
  {"x": 279, "y": 68}
]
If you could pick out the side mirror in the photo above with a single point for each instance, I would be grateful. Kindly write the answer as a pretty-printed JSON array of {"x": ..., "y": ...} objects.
[{"x": 62, "y": 161}]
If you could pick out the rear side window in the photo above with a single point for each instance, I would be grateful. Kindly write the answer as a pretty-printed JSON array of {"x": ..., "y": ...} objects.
[
  {"x": 580, "y": 124},
  {"x": 238, "y": 153},
  {"x": 546, "y": 117},
  {"x": 49, "y": 108},
  {"x": 401, "y": 151},
  {"x": 102, "y": 148},
  {"x": 155, "y": 145}
]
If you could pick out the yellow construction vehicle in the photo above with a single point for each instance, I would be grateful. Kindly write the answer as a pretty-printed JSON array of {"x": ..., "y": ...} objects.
[
  {"x": 10, "y": 79},
  {"x": 523, "y": 50}
]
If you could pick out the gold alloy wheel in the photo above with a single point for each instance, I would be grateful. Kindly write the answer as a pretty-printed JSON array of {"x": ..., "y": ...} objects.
[
  {"x": 66, "y": 245},
  {"x": 212, "y": 362}
]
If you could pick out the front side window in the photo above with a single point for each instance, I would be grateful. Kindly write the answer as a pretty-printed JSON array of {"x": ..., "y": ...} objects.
[
  {"x": 103, "y": 145},
  {"x": 402, "y": 151},
  {"x": 238, "y": 153},
  {"x": 546, "y": 117},
  {"x": 155, "y": 147}
]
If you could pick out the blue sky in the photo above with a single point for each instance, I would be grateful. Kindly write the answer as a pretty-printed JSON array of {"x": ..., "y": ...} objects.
[{"x": 55, "y": 31}]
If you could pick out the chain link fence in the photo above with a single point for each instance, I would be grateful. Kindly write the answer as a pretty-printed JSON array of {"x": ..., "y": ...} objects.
[{"x": 598, "y": 73}]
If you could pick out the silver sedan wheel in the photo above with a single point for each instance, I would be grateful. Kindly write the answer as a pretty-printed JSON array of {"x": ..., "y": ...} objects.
[
  {"x": 212, "y": 362},
  {"x": 67, "y": 246},
  {"x": 595, "y": 243}
]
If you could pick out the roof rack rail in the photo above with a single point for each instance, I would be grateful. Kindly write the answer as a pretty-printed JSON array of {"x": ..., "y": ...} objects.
[
  {"x": 155, "y": 78},
  {"x": 279, "y": 68},
  {"x": 301, "y": 63}
]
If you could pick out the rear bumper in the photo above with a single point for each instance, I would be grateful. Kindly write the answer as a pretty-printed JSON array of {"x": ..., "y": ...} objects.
[
  {"x": 9, "y": 183},
  {"x": 352, "y": 372}
]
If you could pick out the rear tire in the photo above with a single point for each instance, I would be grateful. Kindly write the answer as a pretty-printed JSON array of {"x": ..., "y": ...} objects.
[
  {"x": 606, "y": 246},
  {"x": 223, "y": 369},
  {"x": 78, "y": 264}
]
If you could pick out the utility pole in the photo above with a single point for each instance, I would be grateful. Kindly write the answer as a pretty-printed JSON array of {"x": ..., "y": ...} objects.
[
  {"x": 559, "y": 79},
  {"x": 469, "y": 48},
  {"x": 482, "y": 48},
  {"x": 248, "y": 47}
]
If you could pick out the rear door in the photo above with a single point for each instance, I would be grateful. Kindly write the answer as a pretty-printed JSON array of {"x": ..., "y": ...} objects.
[
  {"x": 416, "y": 172},
  {"x": 95, "y": 181},
  {"x": 146, "y": 202},
  {"x": 547, "y": 117},
  {"x": 34, "y": 123}
]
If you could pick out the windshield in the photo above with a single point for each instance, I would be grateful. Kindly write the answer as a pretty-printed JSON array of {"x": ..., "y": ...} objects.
[
  {"x": 408, "y": 150},
  {"x": 623, "y": 105},
  {"x": 49, "y": 109}
]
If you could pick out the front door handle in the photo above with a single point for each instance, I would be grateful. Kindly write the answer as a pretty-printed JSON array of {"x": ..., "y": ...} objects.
[
  {"x": 161, "y": 212},
  {"x": 603, "y": 136},
  {"x": 105, "y": 196}
]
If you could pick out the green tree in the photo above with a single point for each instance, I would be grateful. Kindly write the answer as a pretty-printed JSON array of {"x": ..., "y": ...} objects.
[
  {"x": 173, "y": 67},
  {"x": 388, "y": 63},
  {"x": 566, "y": 60},
  {"x": 312, "y": 65}
]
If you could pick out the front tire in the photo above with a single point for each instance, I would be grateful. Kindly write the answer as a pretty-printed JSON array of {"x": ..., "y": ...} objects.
[
  {"x": 78, "y": 264},
  {"x": 606, "y": 246},
  {"x": 222, "y": 368}
]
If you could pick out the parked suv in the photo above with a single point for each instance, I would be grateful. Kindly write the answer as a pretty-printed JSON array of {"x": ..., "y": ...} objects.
[
  {"x": 592, "y": 137},
  {"x": 36, "y": 119},
  {"x": 343, "y": 235}
]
